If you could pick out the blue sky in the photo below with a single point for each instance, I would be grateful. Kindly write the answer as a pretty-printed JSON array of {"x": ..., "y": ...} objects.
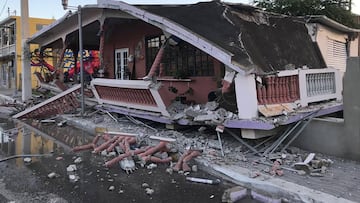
[{"x": 54, "y": 9}]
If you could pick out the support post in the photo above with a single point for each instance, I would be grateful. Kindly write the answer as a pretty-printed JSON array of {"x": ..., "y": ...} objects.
[
  {"x": 81, "y": 62},
  {"x": 25, "y": 63}
]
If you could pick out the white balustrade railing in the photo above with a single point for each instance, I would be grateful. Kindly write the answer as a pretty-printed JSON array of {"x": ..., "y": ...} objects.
[{"x": 319, "y": 85}]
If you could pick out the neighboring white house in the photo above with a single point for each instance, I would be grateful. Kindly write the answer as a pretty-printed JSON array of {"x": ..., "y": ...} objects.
[{"x": 336, "y": 42}]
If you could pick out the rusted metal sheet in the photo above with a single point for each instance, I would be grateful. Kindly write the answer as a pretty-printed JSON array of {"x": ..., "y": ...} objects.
[{"x": 59, "y": 104}]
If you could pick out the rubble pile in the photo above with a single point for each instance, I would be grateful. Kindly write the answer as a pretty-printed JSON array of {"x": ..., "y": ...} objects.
[{"x": 208, "y": 114}]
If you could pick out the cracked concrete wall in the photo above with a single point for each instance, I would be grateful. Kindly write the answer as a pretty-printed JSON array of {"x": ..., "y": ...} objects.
[{"x": 334, "y": 136}]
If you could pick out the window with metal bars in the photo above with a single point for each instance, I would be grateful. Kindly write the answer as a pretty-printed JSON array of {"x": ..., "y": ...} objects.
[{"x": 180, "y": 61}]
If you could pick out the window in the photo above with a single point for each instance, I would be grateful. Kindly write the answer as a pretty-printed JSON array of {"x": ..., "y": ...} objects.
[
  {"x": 12, "y": 34},
  {"x": 336, "y": 54},
  {"x": 39, "y": 26},
  {"x": 180, "y": 61}
]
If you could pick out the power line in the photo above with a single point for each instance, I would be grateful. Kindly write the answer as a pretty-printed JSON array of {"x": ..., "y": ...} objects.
[{"x": 2, "y": 10}]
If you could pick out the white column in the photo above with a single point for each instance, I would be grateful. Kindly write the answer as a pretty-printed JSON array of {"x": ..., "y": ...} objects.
[
  {"x": 25, "y": 62},
  {"x": 246, "y": 97}
]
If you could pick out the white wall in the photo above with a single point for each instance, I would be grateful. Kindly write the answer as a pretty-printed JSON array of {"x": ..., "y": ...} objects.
[{"x": 246, "y": 98}]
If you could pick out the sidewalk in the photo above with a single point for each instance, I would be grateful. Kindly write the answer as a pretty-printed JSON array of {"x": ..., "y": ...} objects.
[{"x": 339, "y": 184}]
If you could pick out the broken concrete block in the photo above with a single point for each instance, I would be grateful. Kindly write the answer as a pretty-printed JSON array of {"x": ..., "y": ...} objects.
[
  {"x": 111, "y": 154},
  {"x": 71, "y": 168},
  {"x": 111, "y": 188},
  {"x": 234, "y": 194},
  {"x": 302, "y": 166},
  {"x": 27, "y": 159},
  {"x": 149, "y": 191},
  {"x": 207, "y": 117},
  {"x": 52, "y": 175},
  {"x": 145, "y": 185},
  {"x": 73, "y": 178},
  {"x": 309, "y": 158},
  {"x": 104, "y": 153},
  {"x": 151, "y": 166}
]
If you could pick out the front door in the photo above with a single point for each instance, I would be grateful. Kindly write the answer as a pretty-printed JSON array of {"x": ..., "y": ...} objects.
[{"x": 121, "y": 63}]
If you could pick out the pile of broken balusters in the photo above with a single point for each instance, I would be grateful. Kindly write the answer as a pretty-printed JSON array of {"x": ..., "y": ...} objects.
[{"x": 128, "y": 149}]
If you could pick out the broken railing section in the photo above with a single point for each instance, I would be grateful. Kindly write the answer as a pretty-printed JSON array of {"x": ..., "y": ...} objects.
[
  {"x": 133, "y": 94},
  {"x": 125, "y": 147},
  {"x": 62, "y": 103},
  {"x": 276, "y": 90},
  {"x": 302, "y": 85}
]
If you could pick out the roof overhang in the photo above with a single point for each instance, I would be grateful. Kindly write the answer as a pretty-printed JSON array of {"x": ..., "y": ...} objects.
[
  {"x": 175, "y": 29},
  {"x": 331, "y": 23}
]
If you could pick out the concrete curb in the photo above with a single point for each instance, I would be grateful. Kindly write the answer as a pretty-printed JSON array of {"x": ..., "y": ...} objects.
[{"x": 268, "y": 185}]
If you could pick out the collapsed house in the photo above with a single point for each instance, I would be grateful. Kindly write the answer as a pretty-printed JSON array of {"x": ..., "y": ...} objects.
[{"x": 210, "y": 63}]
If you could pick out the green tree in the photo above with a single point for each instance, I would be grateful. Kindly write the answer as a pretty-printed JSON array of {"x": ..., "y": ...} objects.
[{"x": 337, "y": 10}]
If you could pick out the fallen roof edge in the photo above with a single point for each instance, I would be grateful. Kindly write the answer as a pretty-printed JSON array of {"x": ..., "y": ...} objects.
[{"x": 177, "y": 30}]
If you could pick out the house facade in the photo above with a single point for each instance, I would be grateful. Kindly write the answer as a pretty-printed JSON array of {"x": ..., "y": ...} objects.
[
  {"x": 10, "y": 49},
  {"x": 336, "y": 41},
  {"x": 166, "y": 63}
]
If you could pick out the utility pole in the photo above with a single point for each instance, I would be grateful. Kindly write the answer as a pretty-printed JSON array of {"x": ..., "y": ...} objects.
[{"x": 25, "y": 49}]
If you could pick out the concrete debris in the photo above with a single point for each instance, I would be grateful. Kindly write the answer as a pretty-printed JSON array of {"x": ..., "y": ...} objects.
[
  {"x": 111, "y": 188},
  {"x": 145, "y": 185},
  {"x": 203, "y": 180},
  {"x": 151, "y": 166},
  {"x": 207, "y": 114},
  {"x": 73, "y": 178},
  {"x": 27, "y": 160},
  {"x": 104, "y": 153},
  {"x": 128, "y": 165},
  {"x": 47, "y": 121},
  {"x": 62, "y": 123},
  {"x": 169, "y": 171},
  {"x": 52, "y": 175},
  {"x": 71, "y": 168},
  {"x": 78, "y": 160},
  {"x": 149, "y": 191},
  {"x": 234, "y": 194},
  {"x": 194, "y": 168}
]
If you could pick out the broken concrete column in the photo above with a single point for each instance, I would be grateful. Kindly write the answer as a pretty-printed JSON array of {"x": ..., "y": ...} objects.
[{"x": 247, "y": 105}]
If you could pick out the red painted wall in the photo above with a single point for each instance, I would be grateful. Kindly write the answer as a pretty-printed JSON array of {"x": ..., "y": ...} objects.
[
  {"x": 128, "y": 35},
  {"x": 132, "y": 35}
]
